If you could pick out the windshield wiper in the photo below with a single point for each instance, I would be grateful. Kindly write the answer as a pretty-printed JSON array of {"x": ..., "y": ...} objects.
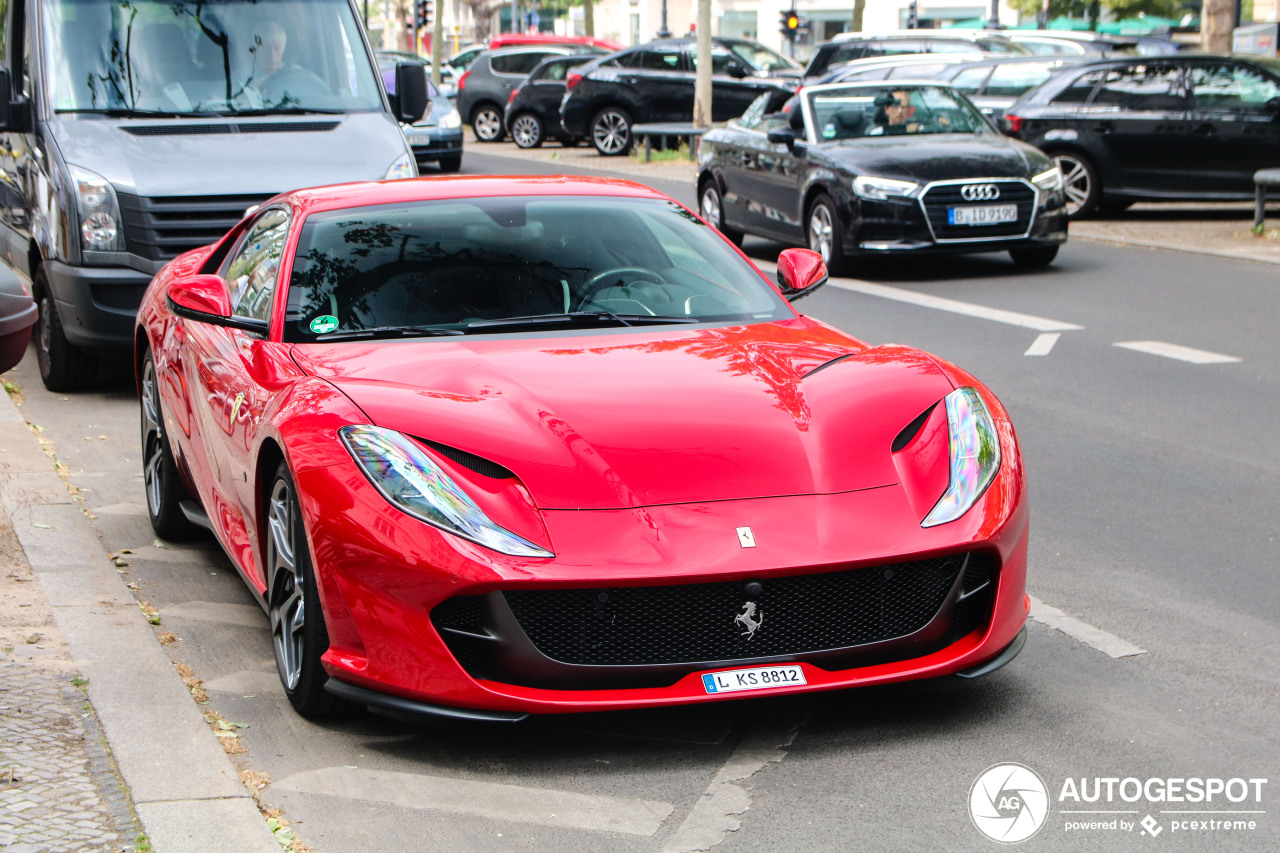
[
  {"x": 576, "y": 318},
  {"x": 387, "y": 332},
  {"x": 122, "y": 112},
  {"x": 280, "y": 111}
]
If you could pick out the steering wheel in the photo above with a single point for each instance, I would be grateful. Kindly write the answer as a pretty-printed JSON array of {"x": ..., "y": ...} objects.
[
  {"x": 602, "y": 280},
  {"x": 294, "y": 82}
]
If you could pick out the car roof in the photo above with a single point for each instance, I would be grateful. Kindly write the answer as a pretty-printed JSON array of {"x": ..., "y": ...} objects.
[{"x": 953, "y": 34}]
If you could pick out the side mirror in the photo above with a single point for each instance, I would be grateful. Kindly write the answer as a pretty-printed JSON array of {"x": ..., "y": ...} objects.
[
  {"x": 736, "y": 71},
  {"x": 782, "y": 136},
  {"x": 204, "y": 299},
  {"x": 800, "y": 272},
  {"x": 410, "y": 100},
  {"x": 15, "y": 115}
]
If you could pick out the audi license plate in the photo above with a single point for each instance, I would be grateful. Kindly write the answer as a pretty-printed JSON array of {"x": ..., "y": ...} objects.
[
  {"x": 759, "y": 678},
  {"x": 987, "y": 214}
]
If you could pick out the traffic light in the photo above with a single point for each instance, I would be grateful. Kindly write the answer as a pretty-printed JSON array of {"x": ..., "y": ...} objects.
[
  {"x": 422, "y": 11},
  {"x": 789, "y": 24},
  {"x": 913, "y": 16}
]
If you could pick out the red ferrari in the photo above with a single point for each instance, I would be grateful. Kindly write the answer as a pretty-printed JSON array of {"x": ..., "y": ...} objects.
[{"x": 486, "y": 447}]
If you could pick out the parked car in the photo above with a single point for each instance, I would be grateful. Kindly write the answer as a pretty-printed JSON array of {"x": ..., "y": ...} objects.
[
  {"x": 451, "y": 478},
  {"x": 654, "y": 83},
  {"x": 925, "y": 66},
  {"x": 17, "y": 315},
  {"x": 542, "y": 39},
  {"x": 533, "y": 112},
  {"x": 437, "y": 136},
  {"x": 855, "y": 169},
  {"x": 1073, "y": 43},
  {"x": 485, "y": 88},
  {"x": 1192, "y": 127},
  {"x": 847, "y": 47},
  {"x": 139, "y": 129}
]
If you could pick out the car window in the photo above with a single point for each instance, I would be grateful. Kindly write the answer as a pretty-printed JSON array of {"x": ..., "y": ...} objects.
[
  {"x": 517, "y": 63},
  {"x": 944, "y": 46},
  {"x": 655, "y": 60},
  {"x": 721, "y": 59},
  {"x": 1140, "y": 88},
  {"x": 555, "y": 72},
  {"x": 1079, "y": 90},
  {"x": 1231, "y": 87},
  {"x": 865, "y": 74},
  {"x": 898, "y": 47},
  {"x": 761, "y": 58},
  {"x": 252, "y": 272},
  {"x": 970, "y": 80},
  {"x": 863, "y": 111},
  {"x": 1012, "y": 79},
  {"x": 916, "y": 69},
  {"x": 1000, "y": 45}
]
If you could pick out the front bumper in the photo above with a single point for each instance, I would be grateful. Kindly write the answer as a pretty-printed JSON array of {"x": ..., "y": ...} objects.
[
  {"x": 431, "y": 144},
  {"x": 420, "y": 617},
  {"x": 97, "y": 305}
]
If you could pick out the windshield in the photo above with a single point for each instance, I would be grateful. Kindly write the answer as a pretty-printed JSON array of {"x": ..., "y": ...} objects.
[
  {"x": 854, "y": 112},
  {"x": 460, "y": 264},
  {"x": 760, "y": 57},
  {"x": 206, "y": 57}
]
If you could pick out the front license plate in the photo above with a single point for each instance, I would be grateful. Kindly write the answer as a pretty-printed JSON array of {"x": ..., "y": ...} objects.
[
  {"x": 987, "y": 214},
  {"x": 759, "y": 678}
]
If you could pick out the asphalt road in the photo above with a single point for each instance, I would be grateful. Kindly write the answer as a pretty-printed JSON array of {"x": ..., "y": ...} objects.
[{"x": 1153, "y": 487}]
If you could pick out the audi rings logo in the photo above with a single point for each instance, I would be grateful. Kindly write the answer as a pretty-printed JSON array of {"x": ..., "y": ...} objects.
[
  {"x": 980, "y": 192},
  {"x": 1009, "y": 803}
]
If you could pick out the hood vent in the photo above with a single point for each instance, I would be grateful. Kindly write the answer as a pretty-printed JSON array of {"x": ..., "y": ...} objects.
[
  {"x": 244, "y": 127},
  {"x": 479, "y": 464}
]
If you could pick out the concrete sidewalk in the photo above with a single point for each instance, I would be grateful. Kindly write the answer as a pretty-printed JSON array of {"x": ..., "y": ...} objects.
[{"x": 101, "y": 745}]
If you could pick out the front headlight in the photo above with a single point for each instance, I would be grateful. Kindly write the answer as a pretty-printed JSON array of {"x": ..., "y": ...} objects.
[
  {"x": 1050, "y": 180},
  {"x": 451, "y": 120},
  {"x": 402, "y": 168},
  {"x": 883, "y": 188},
  {"x": 99, "y": 211},
  {"x": 974, "y": 455},
  {"x": 412, "y": 482}
]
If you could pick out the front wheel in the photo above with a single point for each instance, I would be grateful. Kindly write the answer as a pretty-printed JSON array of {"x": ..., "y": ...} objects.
[
  {"x": 711, "y": 206},
  {"x": 1080, "y": 183},
  {"x": 611, "y": 132},
  {"x": 526, "y": 131},
  {"x": 63, "y": 367},
  {"x": 1040, "y": 256},
  {"x": 160, "y": 478},
  {"x": 486, "y": 122},
  {"x": 824, "y": 232},
  {"x": 298, "y": 633}
]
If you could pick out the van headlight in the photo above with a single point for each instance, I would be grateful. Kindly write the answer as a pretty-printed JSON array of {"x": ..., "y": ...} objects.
[
  {"x": 401, "y": 168},
  {"x": 99, "y": 210},
  {"x": 974, "y": 455},
  {"x": 451, "y": 120}
]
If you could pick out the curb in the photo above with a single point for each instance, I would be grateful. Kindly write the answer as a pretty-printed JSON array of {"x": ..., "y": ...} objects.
[{"x": 184, "y": 788}]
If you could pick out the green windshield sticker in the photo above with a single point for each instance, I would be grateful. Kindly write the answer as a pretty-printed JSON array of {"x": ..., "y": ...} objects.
[{"x": 323, "y": 324}]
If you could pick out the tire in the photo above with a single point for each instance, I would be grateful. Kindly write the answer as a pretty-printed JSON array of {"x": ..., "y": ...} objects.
[
  {"x": 611, "y": 132},
  {"x": 1040, "y": 256},
  {"x": 486, "y": 123},
  {"x": 62, "y": 366},
  {"x": 1081, "y": 183},
  {"x": 711, "y": 207},
  {"x": 451, "y": 163},
  {"x": 823, "y": 232},
  {"x": 527, "y": 131},
  {"x": 298, "y": 633},
  {"x": 160, "y": 478}
]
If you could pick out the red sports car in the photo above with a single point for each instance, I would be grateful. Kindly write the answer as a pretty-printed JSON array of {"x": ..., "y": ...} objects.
[{"x": 486, "y": 447}]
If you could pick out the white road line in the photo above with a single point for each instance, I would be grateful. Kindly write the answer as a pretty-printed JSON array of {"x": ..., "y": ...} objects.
[
  {"x": 924, "y": 300},
  {"x": 1108, "y": 644},
  {"x": 1043, "y": 343},
  {"x": 627, "y": 815},
  {"x": 1181, "y": 353}
]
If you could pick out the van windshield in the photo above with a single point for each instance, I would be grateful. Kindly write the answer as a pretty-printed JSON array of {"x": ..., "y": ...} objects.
[{"x": 203, "y": 57}]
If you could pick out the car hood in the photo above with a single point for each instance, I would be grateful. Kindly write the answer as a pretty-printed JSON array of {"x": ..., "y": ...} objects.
[
  {"x": 936, "y": 157},
  {"x": 182, "y": 157},
  {"x": 630, "y": 419}
]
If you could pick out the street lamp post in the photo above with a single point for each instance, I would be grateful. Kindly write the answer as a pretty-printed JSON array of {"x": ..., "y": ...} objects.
[
  {"x": 664, "y": 33},
  {"x": 993, "y": 23}
]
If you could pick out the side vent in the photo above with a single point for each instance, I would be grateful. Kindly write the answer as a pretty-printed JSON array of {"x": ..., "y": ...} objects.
[
  {"x": 910, "y": 430},
  {"x": 470, "y": 461}
]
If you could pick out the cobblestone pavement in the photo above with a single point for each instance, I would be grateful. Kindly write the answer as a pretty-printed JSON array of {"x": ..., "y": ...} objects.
[{"x": 59, "y": 791}]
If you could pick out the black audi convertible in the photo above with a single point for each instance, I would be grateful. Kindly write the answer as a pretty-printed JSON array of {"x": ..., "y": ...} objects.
[{"x": 857, "y": 169}]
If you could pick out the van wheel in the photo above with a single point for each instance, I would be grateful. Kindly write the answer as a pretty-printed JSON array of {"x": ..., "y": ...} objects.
[
  {"x": 1080, "y": 183},
  {"x": 62, "y": 366},
  {"x": 486, "y": 122}
]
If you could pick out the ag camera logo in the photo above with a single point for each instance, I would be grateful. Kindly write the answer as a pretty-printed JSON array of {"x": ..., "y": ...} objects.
[{"x": 1009, "y": 803}]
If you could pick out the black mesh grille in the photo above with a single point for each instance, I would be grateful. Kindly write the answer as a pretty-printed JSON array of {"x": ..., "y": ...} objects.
[
  {"x": 938, "y": 200},
  {"x": 163, "y": 228},
  {"x": 696, "y": 622},
  {"x": 462, "y": 613},
  {"x": 977, "y": 594}
]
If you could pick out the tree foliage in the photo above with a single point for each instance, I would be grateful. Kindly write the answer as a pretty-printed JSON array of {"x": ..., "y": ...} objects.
[{"x": 1118, "y": 9}]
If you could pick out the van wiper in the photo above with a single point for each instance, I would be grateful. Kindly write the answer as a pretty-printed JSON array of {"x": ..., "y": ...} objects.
[
  {"x": 281, "y": 111},
  {"x": 122, "y": 112},
  {"x": 387, "y": 332},
  {"x": 575, "y": 318}
]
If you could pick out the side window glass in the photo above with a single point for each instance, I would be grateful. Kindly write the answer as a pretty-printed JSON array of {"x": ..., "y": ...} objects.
[
  {"x": 255, "y": 266},
  {"x": 1140, "y": 88},
  {"x": 1226, "y": 87},
  {"x": 659, "y": 60},
  {"x": 755, "y": 113},
  {"x": 970, "y": 80},
  {"x": 1014, "y": 79},
  {"x": 1079, "y": 90}
]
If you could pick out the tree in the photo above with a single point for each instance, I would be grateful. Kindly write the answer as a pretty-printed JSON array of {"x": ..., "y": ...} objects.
[
  {"x": 481, "y": 17},
  {"x": 1118, "y": 8}
]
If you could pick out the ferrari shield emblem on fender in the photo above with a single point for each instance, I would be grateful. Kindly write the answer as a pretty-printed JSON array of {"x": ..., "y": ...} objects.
[
  {"x": 749, "y": 620},
  {"x": 746, "y": 537}
]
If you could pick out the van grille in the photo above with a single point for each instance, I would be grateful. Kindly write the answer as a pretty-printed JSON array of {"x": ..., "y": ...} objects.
[{"x": 163, "y": 228}]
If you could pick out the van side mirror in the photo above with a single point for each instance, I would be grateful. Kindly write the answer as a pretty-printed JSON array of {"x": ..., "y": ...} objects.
[
  {"x": 15, "y": 115},
  {"x": 410, "y": 99}
]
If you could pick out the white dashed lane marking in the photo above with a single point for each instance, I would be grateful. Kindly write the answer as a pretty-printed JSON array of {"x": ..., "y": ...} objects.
[
  {"x": 1108, "y": 644},
  {"x": 1043, "y": 343},
  {"x": 1181, "y": 353},
  {"x": 968, "y": 309}
]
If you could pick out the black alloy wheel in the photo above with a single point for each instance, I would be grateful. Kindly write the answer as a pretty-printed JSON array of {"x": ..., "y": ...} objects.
[
  {"x": 1034, "y": 258},
  {"x": 298, "y": 633},
  {"x": 63, "y": 367},
  {"x": 711, "y": 207},
  {"x": 1079, "y": 182},
  {"x": 486, "y": 122},
  {"x": 160, "y": 478},
  {"x": 526, "y": 131},
  {"x": 611, "y": 132}
]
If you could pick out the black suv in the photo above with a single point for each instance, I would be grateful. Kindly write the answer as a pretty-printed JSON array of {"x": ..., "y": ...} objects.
[
  {"x": 534, "y": 110},
  {"x": 1160, "y": 128},
  {"x": 847, "y": 47},
  {"x": 483, "y": 91},
  {"x": 654, "y": 83}
]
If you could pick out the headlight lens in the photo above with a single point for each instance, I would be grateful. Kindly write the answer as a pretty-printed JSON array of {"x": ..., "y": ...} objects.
[
  {"x": 99, "y": 212},
  {"x": 883, "y": 188},
  {"x": 402, "y": 168},
  {"x": 1050, "y": 180},
  {"x": 412, "y": 482},
  {"x": 451, "y": 120},
  {"x": 975, "y": 455}
]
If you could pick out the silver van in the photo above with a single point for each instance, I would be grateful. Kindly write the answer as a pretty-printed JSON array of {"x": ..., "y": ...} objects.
[{"x": 134, "y": 130}]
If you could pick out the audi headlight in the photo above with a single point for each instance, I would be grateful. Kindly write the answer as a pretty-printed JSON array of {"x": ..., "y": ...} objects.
[
  {"x": 883, "y": 188},
  {"x": 974, "y": 455},
  {"x": 401, "y": 168},
  {"x": 1050, "y": 180},
  {"x": 99, "y": 211},
  {"x": 412, "y": 482},
  {"x": 451, "y": 120}
]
